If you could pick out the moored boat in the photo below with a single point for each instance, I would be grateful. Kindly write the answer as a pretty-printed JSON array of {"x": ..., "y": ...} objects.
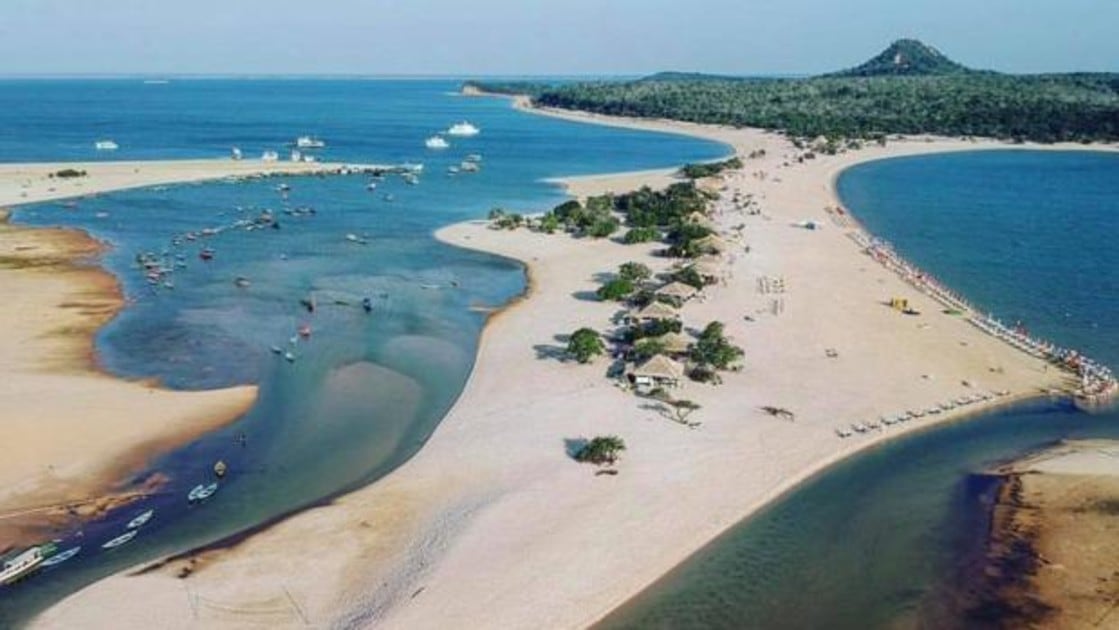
[
  {"x": 61, "y": 557},
  {"x": 120, "y": 540},
  {"x": 436, "y": 142},
  {"x": 22, "y": 565},
  {"x": 463, "y": 129},
  {"x": 202, "y": 491},
  {"x": 141, "y": 519}
]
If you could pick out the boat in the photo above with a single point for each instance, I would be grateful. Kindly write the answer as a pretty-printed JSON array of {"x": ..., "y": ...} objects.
[
  {"x": 410, "y": 178},
  {"x": 59, "y": 558},
  {"x": 277, "y": 350},
  {"x": 235, "y": 153},
  {"x": 270, "y": 156},
  {"x": 201, "y": 492},
  {"x": 409, "y": 167},
  {"x": 367, "y": 304},
  {"x": 309, "y": 142},
  {"x": 305, "y": 331},
  {"x": 463, "y": 129},
  {"x": 437, "y": 142},
  {"x": 289, "y": 357},
  {"x": 206, "y": 254},
  {"x": 371, "y": 186},
  {"x": 296, "y": 155},
  {"x": 452, "y": 170},
  {"x": 21, "y": 565},
  {"x": 120, "y": 540},
  {"x": 106, "y": 145},
  {"x": 474, "y": 157},
  {"x": 140, "y": 519},
  {"x": 390, "y": 198},
  {"x": 469, "y": 167}
]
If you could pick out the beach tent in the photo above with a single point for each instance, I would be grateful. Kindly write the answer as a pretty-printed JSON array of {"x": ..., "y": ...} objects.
[
  {"x": 711, "y": 243},
  {"x": 655, "y": 310},
  {"x": 674, "y": 343},
  {"x": 657, "y": 370},
  {"x": 677, "y": 290}
]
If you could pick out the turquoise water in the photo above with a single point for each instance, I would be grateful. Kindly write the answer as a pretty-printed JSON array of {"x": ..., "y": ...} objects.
[
  {"x": 366, "y": 390},
  {"x": 878, "y": 541}
]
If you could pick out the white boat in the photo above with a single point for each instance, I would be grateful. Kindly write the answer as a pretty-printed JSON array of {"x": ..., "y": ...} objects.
[
  {"x": 436, "y": 142},
  {"x": 410, "y": 178},
  {"x": 59, "y": 558},
  {"x": 21, "y": 565},
  {"x": 309, "y": 142},
  {"x": 141, "y": 519},
  {"x": 296, "y": 155},
  {"x": 469, "y": 167},
  {"x": 235, "y": 153},
  {"x": 371, "y": 186},
  {"x": 120, "y": 540},
  {"x": 270, "y": 156},
  {"x": 201, "y": 492},
  {"x": 106, "y": 145},
  {"x": 463, "y": 129},
  {"x": 474, "y": 157}
]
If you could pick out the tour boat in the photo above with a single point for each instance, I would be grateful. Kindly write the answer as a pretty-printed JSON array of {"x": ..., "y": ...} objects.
[
  {"x": 59, "y": 558},
  {"x": 141, "y": 519},
  {"x": 120, "y": 540},
  {"x": 309, "y": 142},
  {"x": 436, "y": 142},
  {"x": 21, "y": 565},
  {"x": 201, "y": 492},
  {"x": 106, "y": 145},
  {"x": 463, "y": 129}
]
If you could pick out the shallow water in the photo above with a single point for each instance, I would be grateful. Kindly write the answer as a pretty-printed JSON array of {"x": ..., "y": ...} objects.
[
  {"x": 876, "y": 541},
  {"x": 365, "y": 390}
]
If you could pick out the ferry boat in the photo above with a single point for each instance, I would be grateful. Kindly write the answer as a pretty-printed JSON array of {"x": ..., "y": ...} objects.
[
  {"x": 436, "y": 142},
  {"x": 309, "y": 142},
  {"x": 463, "y": 129},
  {"x": 21, "y": 565},
  {"x": 106, "y": 145}
]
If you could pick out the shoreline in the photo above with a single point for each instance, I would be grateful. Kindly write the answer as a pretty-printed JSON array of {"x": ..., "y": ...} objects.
[{"x": 471, "y": 539}]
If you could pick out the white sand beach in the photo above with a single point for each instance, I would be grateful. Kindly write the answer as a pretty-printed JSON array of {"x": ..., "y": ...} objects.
[{"x": 493, "y": 525}]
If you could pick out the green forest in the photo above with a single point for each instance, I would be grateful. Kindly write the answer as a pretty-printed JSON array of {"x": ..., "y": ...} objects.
[{"x": 908, "y": 89}]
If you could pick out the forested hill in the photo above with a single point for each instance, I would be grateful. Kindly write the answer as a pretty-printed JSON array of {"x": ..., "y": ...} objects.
[
  {"x": 907, "y": 57},
  {"x": 934, "y": 96}
]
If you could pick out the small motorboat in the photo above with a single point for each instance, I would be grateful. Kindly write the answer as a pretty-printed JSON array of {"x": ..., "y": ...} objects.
[
  {"x": 305, "y": 331},
  {"x": 277, "y": 350},
  {"x": 220, "y": 468},
  {"x": 289, "y": 357},
  {"x": 206, "y": 254},
  {"x": 21, "y": 566},
  {"x": 371, "y": 186},
  {"x": 202, "y": 491},
  {"x": 437, "y": 143},
  {"x": 463, "y": 129},
  {"x": 59, "y": 558},
  {"x": 367, "y": 304},
  {"x": 141, "y": 519},
  {"x": 120, "y": 540},
  {"x": 106, "y": 145},
  {"x": 242, "y": 282}
]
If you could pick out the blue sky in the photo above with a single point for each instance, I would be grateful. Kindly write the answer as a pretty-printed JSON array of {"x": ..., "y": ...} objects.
[{"x": 484, "y": 37}]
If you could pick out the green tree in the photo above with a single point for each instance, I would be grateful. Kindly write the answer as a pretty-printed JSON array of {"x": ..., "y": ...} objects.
[
  {"x": 603, "y": 227},
  {"x": 636, "y": 235},
  {"x": 615, "y": 290},
  {"x": 585, "y": 344},
  {"x": 714, "y": 349},
  {"x": 601, "y": 450},
  {"x": 646, "y": 348},
  {"x": 549, "y": 223},
  {"x": 635, "y": 272}
]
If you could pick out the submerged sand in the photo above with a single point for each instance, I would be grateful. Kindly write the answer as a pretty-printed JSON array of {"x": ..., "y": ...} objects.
[
  {"x": 73, "y": 433},
  {"x": 1052, "y": 555},
  {"x": 493, "y": 525}
]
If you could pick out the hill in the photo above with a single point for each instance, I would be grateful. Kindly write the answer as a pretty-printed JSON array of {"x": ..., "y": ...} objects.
[{"x": 906, "y": 57}]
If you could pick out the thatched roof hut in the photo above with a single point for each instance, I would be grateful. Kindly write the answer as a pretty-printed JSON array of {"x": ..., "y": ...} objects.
[
  {"x": 655, "y": 310},
  {"x": 659, "y": 370},
  {"x": 677, "y": 290},
  {"x": 674, "y": 343}
]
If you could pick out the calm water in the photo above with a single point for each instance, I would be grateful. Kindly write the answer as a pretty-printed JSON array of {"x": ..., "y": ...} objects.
[
  {"x": 876, "y": 542},
  {"x": 365, "y": 389}
]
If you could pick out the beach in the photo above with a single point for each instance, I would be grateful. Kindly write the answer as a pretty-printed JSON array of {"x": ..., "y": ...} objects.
[
  {"x": 493, "y": 525},
  {"x": 76, "y": 435}
]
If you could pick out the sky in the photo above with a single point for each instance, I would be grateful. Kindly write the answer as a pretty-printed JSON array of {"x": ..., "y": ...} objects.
[{"x": 529, "y": 37}]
